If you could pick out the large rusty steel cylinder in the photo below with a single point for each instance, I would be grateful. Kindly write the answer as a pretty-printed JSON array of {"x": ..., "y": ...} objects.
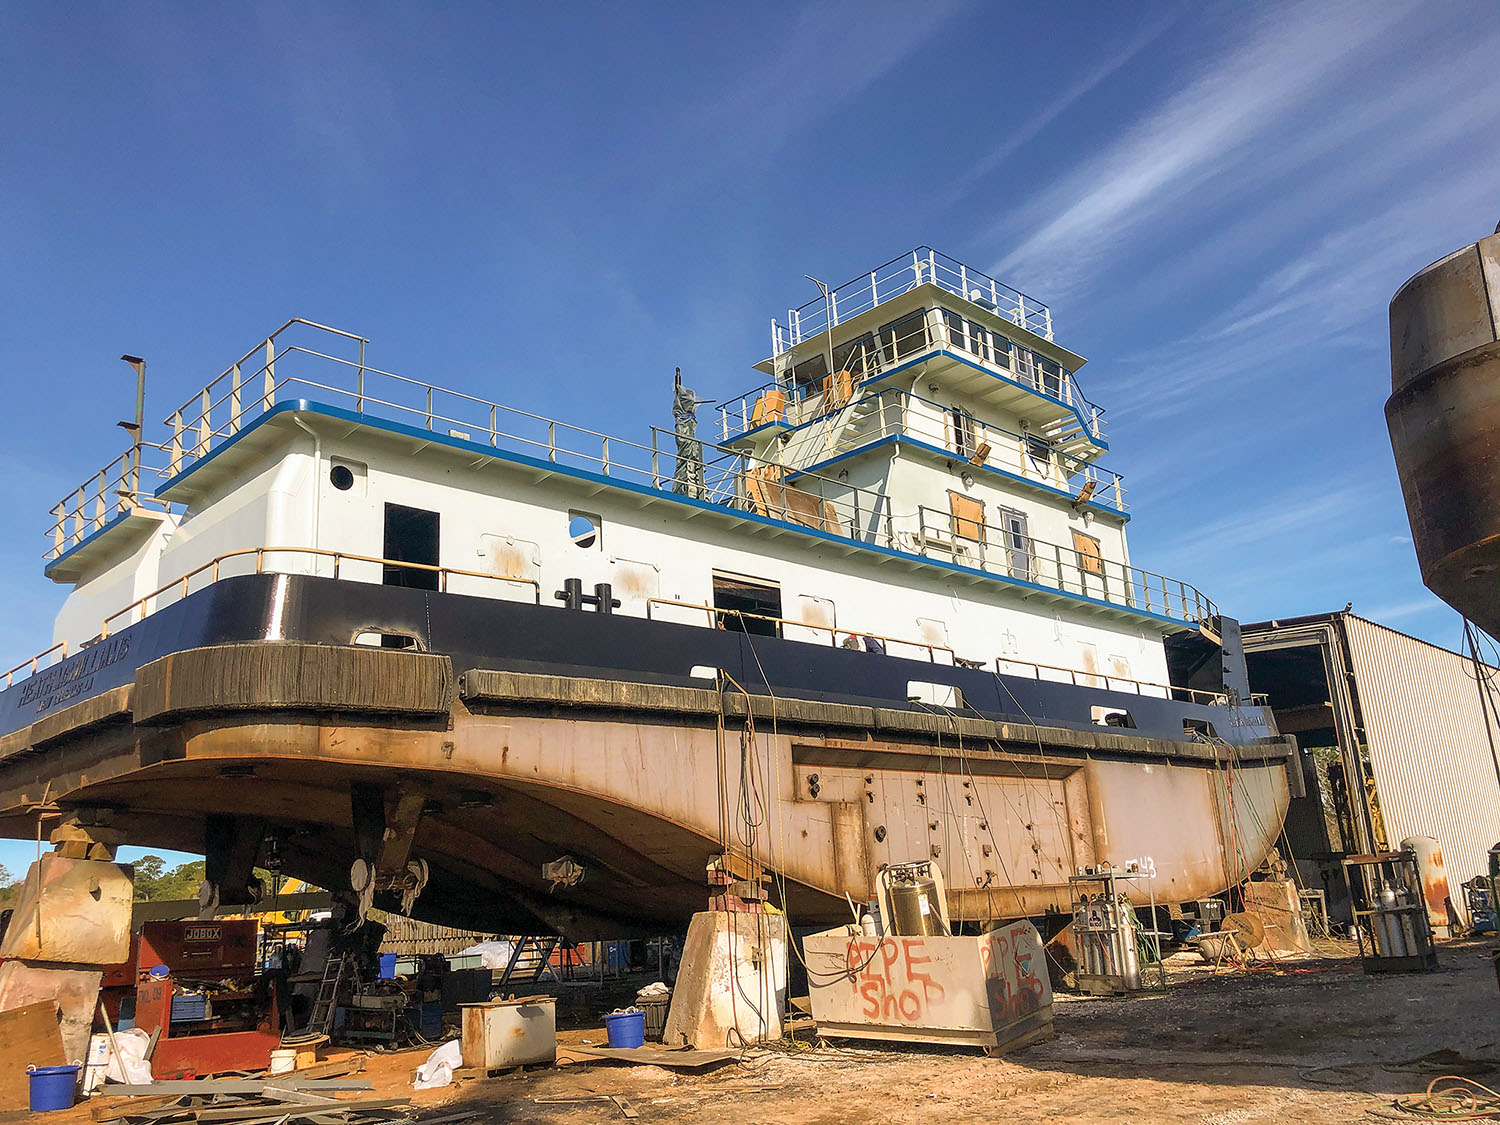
[{"x": 1444, "y": 418}]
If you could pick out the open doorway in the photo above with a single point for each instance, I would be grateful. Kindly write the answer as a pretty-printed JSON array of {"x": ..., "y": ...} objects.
[
  {"x": 411, "y": 536},
  {"x": 745, "y": 604}
]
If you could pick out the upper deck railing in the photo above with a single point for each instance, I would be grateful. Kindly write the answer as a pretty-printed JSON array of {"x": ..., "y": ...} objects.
[
  {"x": 900, "y": 275},
  {"x": 122, "y": 486},
  {"x": 731, "y": 478}
]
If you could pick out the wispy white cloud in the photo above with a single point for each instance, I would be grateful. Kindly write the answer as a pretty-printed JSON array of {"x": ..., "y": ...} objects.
[
  {"x": 1198, "y": 134},
  {"x": 826, "y": 57},
  {"x": 1396, "y": 611},
  {"x": 1342, "y": 279},
  {"x": 1034, "y": 125}
]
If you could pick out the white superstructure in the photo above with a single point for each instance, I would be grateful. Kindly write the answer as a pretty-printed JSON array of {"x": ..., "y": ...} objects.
[{"x": 934, "y": 488}]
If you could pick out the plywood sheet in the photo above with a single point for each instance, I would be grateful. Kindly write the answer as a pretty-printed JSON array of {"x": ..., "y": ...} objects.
[
  {"x": 968, "y": 517},
  {"x": 29, "y": 1036},
  {"x": 1087, "y": 547}
]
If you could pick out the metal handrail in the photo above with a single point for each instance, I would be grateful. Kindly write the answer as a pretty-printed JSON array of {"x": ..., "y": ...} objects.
[
  {"x": 36, "y": 660},
  {"x": 268, "y": 347},
  {"x": 112, "y": 491},
  {"x": 714, "y": 612},
  {"x": 901, "y": 275},
  {"x": 1023, "y": 557},
  {"x": 726, "y": 469},
  {"x": 1193, "y": 695},
  {"x": 338, "y": 557}
]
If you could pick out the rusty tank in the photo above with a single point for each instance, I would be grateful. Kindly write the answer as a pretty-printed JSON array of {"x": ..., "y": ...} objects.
[{"x": 1444, "y": 420}]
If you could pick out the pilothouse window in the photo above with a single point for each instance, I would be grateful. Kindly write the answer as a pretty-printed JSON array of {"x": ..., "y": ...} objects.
[{"x": 747, "y": 605}]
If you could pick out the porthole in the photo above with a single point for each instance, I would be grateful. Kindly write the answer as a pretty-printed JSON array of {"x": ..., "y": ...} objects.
[
  {"x": 341, "y": 477},
  {"x": 583, "y": 529}
]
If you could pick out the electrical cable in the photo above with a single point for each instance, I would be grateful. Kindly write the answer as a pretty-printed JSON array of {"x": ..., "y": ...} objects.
[{"x": 777, "y": 867}]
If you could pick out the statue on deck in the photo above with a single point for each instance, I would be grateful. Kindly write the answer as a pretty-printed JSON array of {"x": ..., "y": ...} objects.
[{"x": 688, "y": 475}]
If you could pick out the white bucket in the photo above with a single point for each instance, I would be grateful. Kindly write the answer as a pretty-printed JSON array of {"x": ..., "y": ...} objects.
[
  {"x": 283, "y": 1060},
  {"x": 98, "y": 1059}
]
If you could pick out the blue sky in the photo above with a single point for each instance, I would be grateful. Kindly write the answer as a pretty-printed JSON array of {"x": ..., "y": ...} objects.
[{"x": 554, "y": 205}]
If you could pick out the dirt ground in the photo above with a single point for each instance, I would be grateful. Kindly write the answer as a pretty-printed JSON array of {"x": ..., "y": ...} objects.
[{"x": 1311, "y": 1041}]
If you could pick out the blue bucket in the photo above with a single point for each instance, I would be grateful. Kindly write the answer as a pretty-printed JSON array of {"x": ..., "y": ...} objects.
[
  {"x": 626, "y": 1029},
  {"x": 387, "y": 966},
  {"x": 52, "y": 1087}
]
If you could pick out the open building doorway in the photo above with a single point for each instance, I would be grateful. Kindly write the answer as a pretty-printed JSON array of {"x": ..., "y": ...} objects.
[{"x": 747, "y": 605}]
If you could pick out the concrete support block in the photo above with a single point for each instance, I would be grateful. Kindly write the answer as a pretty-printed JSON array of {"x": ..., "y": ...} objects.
[
  {"x": 71, "y": 911},
  {"x": 732, "y": 984}
]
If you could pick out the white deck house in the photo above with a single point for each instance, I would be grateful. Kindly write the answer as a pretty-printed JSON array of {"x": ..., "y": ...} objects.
[{"x": 937, "y": 488}]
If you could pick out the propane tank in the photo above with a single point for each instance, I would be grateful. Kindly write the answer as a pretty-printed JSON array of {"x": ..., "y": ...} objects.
[
  {"x": 1387, "y": 924},
  {"x": 1108, "y": 954},
  {"x": 1130, "y": 961},
  {"x": 1409, "y": 921},
  {"x": 1098, "y": 951},
  {"x": 1432, "y": 880}
]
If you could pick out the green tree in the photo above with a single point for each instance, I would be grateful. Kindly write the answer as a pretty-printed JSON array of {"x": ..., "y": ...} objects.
[{"x": 148, "y": 872}]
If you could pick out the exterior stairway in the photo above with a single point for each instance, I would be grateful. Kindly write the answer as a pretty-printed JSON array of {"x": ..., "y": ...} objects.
[
  {"x": 1071, "y": 436},
  {"x": 858, "y": 423}
]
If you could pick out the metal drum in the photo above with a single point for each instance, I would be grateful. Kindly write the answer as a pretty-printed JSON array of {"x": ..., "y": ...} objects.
[{"x": 1444, "y": 419}]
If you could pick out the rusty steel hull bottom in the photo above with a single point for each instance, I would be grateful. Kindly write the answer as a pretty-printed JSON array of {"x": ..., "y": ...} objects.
[{"x": 641, "y": 785}]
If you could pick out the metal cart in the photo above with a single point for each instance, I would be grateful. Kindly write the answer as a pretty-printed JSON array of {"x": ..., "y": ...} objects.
[
  {"x": 1390, "y": 914},
  {"x": 1115, "y": 954}
]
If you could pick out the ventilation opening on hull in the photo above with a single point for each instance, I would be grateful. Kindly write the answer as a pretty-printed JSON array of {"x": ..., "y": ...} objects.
[
  {"x": 745, "y": 604},
  {"x": 386, "y": 639},
  {"x": 1112, "y": 717},
  {"x": 1200, "y": 728}
]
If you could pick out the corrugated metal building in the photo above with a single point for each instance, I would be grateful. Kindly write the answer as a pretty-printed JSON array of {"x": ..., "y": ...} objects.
[{"x": 1396, "y": 741}]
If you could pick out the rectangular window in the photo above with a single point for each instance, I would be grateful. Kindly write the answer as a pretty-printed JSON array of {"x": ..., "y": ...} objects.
[
  {"x": 747, "y": 605},
  {"x": 1017, "y": 543},
  {"x": 857, "y": 356},
  {"x": 902, "y": 338},
  {"x": 962, "y": 423},
  {"x": 1002, "y": 350},
  {"x": 1025, "y": 372},
  {"x": 979, "y": 341},
  {"x": 411, "y": 536},
  {"x": 808, "y": 374},
  {"x": 967, "y": 517},
  {"x": 957, "y": 330},
  {"x": 1052, "y": 383}
]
